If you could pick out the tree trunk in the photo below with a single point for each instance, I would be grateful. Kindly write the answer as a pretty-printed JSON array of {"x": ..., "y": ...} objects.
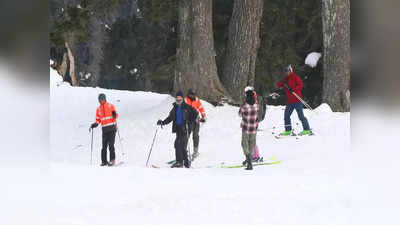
[
  {"x": 336, "y": 32},
  {"x": 196, "y": 67},
  {"x": 74, "y": 81},
  {"x": 243, "y": 43},
  {"x": 63, "y": 67}
]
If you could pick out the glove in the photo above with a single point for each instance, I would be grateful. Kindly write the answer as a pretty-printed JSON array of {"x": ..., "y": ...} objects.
[
  {"x": 114, "y": 114},
  {"x": 94, "y": 125},
  {"x": 203, "y": 120},
  {"x": 159, "y": 122},
  {"x": 289, "y": 88}
]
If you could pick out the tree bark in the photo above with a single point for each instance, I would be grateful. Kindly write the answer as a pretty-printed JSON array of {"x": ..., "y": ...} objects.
[
  {"x": 71, "y": 66},
  {"x": 243, "y": 43},
  {"x": 336, "y": 32},
  {"x": 196, "y": 67}
]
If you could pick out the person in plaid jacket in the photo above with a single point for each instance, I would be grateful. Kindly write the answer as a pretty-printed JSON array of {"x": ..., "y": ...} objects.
[{"x": 249, "y": 125}]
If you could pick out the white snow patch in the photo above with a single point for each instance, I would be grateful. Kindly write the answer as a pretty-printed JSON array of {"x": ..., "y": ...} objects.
[
  {"x": 312, "y": 59},
  {"x": 79, "y": 6},
  {"x": 107, "y": 27},
  {"x": 118, "y": 66}
]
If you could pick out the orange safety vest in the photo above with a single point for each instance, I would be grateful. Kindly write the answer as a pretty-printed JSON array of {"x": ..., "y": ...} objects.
[
  {"x": 197, "y": 105},
  {"x": 104, "y": 115}
]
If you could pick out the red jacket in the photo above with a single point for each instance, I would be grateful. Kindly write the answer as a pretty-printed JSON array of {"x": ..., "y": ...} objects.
[
  {"x": 197, "y": 105},
  {"x": 295, "y": 83},
  {"x": 104, "y": 117}
]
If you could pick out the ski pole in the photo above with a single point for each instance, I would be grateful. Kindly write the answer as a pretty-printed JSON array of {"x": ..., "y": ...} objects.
[
  {"x": 302, "y": 101},
  {"x": 120, "y": 142},
  {"x": 151, "y": 148},
  {"x": 91, "y": 147}
]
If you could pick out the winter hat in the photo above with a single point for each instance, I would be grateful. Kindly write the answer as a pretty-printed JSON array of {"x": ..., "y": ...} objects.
[
  {"x": 191, "y": 92},
  {"x": 179, "y": 93},
  {"x": 102, "y": 96},
  {"x": 248, "y": 88},
  {"x": 288, "y": 69}
]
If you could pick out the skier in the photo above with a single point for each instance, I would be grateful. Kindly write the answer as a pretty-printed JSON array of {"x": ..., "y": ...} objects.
[
  {"x": 106, "y": 115},
  {"x": 249, "y": 113},
  {"x": 195, "y": 102},
  {"x": 293, "y": 83},
  {"x": 183, "y": 117}
]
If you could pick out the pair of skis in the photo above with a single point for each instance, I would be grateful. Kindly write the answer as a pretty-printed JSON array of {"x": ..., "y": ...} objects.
[{"x": 270, "y": 161}]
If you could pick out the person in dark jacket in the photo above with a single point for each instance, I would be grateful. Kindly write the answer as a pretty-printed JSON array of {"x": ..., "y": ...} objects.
[
  {"x": 183, "y": 117},
  {"x": 293, "y": 85}
]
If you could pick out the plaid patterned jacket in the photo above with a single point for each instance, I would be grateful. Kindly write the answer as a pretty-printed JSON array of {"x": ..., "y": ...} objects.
[{"x": 249, "y": 114}]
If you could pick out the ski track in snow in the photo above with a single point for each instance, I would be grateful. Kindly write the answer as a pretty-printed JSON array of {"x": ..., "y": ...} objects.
[{"x": 317, "y": 181}]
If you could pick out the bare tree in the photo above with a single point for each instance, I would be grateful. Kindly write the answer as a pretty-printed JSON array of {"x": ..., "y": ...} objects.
[
  {"x": 243, "y": 43},
  {"x": 196, "y": 67},
  {"x": 336, "y": 32}
]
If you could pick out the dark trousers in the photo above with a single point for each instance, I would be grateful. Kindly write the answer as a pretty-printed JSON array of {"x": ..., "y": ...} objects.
[
  {"x": 299, "y": 109},
  {"x": 108, "y": 140},
  {"x": 180, "y": 145}
]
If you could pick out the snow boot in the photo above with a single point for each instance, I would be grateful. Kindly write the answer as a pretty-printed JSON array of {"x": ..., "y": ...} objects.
[
  {"x": 305, "y": 132},
  {"x": 177, "y": 165},
  {"x": 104, "y": 164},
  {"x": 249, "y": 165}
]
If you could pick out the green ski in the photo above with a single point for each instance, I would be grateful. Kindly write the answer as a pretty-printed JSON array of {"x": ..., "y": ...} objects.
[{"x": 254, "y": 164}]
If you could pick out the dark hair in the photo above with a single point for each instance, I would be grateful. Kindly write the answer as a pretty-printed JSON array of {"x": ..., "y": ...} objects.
[
  {"x": 250, "y": 97},
  {"x": 191, "y": 92},
  {"x": 102, "y": 96}
]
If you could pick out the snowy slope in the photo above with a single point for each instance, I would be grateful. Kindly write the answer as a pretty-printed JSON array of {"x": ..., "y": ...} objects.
[{"x": 314, "y": 184}]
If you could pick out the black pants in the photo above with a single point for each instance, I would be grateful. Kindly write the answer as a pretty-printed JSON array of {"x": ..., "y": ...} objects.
[
  {"x": 180, "y": 145},
  {"x": 108, "y": 140}
]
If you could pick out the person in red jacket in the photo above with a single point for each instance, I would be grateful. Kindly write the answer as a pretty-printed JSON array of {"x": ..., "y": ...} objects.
[
  {"x": 195, "y": 102},
  {"x": 293, "y": 84},
  {"x": 106, "y": 115}
]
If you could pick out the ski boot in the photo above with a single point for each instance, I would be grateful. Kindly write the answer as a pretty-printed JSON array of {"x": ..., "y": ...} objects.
[
  {"x": 177, "y": 165},
  {"x": 104, "y": 164},
  {"x": 186, "y": 163},
  {"x": 111, "y": 163},
  {"x": 305, "y": 132},
  {"x": 286, "y": 133}
]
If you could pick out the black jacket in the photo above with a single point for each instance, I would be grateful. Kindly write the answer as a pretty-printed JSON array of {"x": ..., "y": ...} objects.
[{"x": 189, "y": 117}]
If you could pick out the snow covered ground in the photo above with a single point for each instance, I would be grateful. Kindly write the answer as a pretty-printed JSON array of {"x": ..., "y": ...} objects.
[{"x": 319, "y": 180}]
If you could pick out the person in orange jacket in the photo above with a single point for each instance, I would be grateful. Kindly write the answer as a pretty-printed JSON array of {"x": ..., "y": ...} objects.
[
  {"x": 195, "y": 102},
  {"x": 106, "y": 115}
]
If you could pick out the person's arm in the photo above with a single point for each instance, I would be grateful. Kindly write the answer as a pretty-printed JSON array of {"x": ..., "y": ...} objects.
[
  {"x": 169, "y": 118},
  {"x": 202, "y": 111},
  {"x": 281, "y": 83},
  {"x": 114, "y": 112}
]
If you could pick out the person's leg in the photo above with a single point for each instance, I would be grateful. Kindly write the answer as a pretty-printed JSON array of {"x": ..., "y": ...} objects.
[
  {"x": 288, "y": 112},
  {"x": 252, "y": 143},
  {"x": 245, "y": 143},
  {"x": 104, "y": 149},
  {"x": 196, "y": 139},
  {"x": 176, "y": 145},
  {"x": 111, "y": 142},
  {"x": 302, "y": 118}
]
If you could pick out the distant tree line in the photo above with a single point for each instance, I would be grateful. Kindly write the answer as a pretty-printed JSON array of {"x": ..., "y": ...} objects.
[{"x": 214, "y": 46}]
